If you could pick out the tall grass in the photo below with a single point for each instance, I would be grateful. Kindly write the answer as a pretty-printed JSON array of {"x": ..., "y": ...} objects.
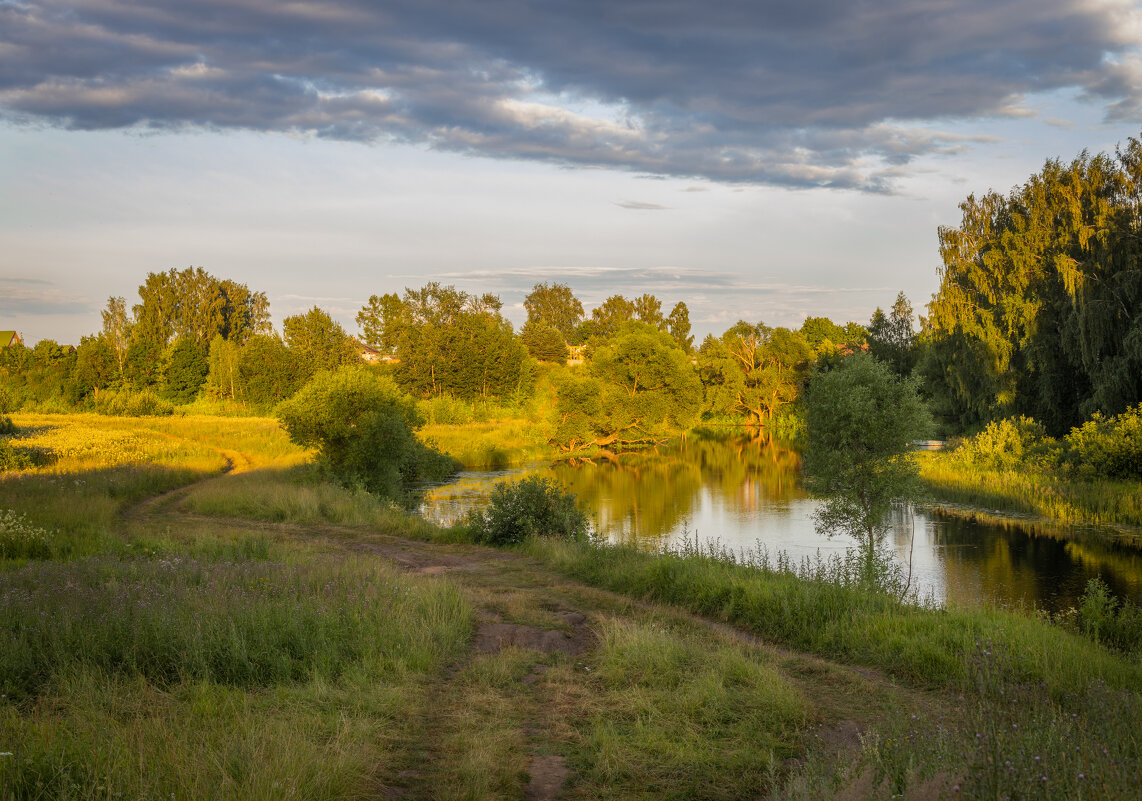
[
  {"x": 844, "y": 620},
  {"x": 297, "y": 495},
  {"x": 247, "y": 624},
  {"x": 204, "y": 679},
  {"x": 674, "y": 715}
]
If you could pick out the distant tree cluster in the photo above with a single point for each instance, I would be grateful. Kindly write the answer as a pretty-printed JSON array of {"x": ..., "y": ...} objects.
[
  {"x": 193, "y": 335},
  {"x": 190, "y": 333}
]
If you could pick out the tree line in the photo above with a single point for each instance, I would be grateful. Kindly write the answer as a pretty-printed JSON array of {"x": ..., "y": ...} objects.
[
  {"x": 1038, "y": 313},
  {"x": 192, "y": 335}
]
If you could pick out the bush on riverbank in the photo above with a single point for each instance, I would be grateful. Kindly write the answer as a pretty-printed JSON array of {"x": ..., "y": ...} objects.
[
  {"x": 1092, "y": 475},
  {"x": 531, "y": 507}
]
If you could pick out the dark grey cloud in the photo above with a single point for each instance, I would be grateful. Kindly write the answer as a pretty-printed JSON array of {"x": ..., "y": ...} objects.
[{"x": 814, "y": 93}]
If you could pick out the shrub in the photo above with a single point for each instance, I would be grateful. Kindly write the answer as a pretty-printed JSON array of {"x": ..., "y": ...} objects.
[
  {"x": 126, "y": 403},
  {"x": 1005, "y": 444},
  {"x": 7, "y": 427},
  {"x": 1108, "y": 446},
  {"x": 362, "y": 424},
  {"x": 534, "y": 506}
]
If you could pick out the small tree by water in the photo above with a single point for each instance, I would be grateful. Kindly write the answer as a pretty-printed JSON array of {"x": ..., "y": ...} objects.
[{"x": 859, "y": 420}]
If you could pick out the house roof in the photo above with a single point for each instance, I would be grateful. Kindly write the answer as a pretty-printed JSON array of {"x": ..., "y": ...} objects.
[{"x": 8, "y": 338}]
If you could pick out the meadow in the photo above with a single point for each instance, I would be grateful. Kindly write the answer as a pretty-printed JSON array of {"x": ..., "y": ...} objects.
[{"x": 188, "y": 608}]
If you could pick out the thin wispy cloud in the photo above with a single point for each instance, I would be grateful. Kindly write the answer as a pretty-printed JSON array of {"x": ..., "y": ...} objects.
[
  {"x": 823, "y": 93},
  {"x": 24, "y": 296},
  {"x": 639, "y": 205}
]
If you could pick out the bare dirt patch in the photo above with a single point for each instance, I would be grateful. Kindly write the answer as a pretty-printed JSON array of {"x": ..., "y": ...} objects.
[
  {"x": 547, "y": 775},
  {"x": 493, "y": 637}
]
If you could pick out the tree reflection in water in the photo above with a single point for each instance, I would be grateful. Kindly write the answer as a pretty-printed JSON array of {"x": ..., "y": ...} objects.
[
  {"x": 744, "y": 491},
  {"x": 648, "y": 494}
]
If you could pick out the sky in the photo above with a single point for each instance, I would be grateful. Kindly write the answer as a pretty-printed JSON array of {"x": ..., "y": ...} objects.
[{"x": 755, "y": 159}]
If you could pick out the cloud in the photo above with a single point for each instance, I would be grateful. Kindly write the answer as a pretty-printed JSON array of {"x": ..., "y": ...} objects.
[
  {"x": 24, "y": 296},
  {"x": 822, "y": 93},
  {"x": 640, "y": 205}
]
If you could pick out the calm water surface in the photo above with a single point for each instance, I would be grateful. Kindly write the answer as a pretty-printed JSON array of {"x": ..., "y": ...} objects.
[{"x": 746, "y": 494}]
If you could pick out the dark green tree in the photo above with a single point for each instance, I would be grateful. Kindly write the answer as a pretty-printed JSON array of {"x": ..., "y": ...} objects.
[
  {"x": 186, "y": 368},
  {"x": 95, "y": 367},
  {"x": 1039, "y": 310},
  {"x": 544, "y": 342},
  {"x": 859, "y": 419},
  {"x": 363, "y": 426},
  {"x": 453, "y": 343},
  {"x": 891, "y": 337},
  {"x": 268, "y": 371}
]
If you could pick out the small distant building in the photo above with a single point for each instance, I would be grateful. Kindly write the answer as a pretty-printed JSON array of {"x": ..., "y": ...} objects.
[
  {"x": 576, "y": 354},
  {"x": 10, "y": 339},
  {"x": 371, "y": 355}
]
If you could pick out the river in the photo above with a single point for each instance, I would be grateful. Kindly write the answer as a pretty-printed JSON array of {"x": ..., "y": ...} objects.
[{"x": 746, "y": 494}]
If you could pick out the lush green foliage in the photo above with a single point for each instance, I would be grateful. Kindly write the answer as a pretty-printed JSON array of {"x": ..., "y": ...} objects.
[
  {"x": 362, "y": 424},
  {"x": 531, "y": 507},
  {"x": 453, "y": 343},
  {"x": 640, "y": 387},
  {"x": 317, "y": 342},
  {"x": 187, "y": 367},
  {"x": 752, "y": 370},
  {"x": 859, "y": 419},
  {"x": 1038, "y": 307},
  {"x": 1091, "y": 475},
  {"x": 554, "y": 306},
  {"x": 131, "y": 403},
  {"x": 1109, "y": 447},
  {"x": 544, "y": 342}
]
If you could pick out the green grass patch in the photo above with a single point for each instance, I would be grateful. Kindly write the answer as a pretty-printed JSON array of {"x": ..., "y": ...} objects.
[
  {"x": 298, "y": 495},
  {"x": 490, "y": 444},
  {"x": 674, "y": 715}
]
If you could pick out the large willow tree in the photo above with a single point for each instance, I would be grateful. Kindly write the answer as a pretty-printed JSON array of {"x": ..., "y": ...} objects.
[{"x": 1039, "y": 309}]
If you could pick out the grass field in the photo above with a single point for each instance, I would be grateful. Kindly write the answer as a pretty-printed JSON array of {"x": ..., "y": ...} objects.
[{"x": 170, "y": 629}]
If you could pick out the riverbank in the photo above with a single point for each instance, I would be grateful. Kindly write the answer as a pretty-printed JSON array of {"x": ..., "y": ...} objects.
[{"x": 1032, "y": 491}]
